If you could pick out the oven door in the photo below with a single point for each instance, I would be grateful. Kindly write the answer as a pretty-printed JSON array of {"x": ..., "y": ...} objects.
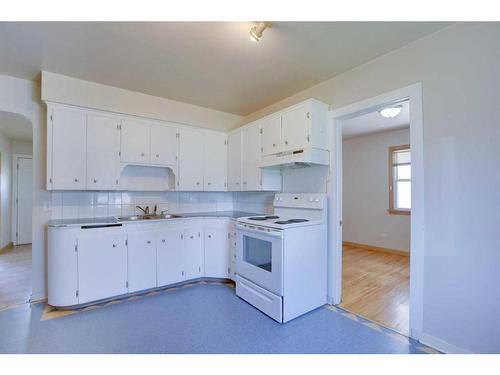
[{"x": 259, "y": 256}]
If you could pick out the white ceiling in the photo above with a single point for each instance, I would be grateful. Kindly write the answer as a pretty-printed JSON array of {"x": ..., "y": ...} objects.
[
  {"x": 15, "y": 127},
  {"x": 212, "y": 64},
  {"x": 373, "y": 122}
]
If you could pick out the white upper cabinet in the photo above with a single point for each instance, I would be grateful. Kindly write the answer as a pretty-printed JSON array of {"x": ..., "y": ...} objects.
[
  {"x": 164, "y": 145},
  {"x": 190, "y": 159},
  {"x": 234, "y": 161},
  {"x": 103, "y": 147},
  {"x": 271, "y": 135},
  {"x": 214, "y": 161},
  {"x": 304, "y": 125},
  {"x": 66, "y": 149},
  {"x": 135, "y": 139},
  {"x": 250, "y": 154}
]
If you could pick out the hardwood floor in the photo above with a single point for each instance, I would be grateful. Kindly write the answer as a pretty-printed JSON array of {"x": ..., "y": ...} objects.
[
  {"x": 376, "y": 286},
  {"x": 15, "y": 276}
]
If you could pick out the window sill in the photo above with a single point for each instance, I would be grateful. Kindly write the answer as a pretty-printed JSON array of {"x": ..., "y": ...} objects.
[{"x": 399, "y": 212}]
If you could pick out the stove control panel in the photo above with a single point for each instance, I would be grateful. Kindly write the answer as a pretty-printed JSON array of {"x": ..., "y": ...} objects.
[{"x": 301, "y": 200}]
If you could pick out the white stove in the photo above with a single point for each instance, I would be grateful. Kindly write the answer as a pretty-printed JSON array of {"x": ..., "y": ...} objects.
[{"x": 281, "y": 258}]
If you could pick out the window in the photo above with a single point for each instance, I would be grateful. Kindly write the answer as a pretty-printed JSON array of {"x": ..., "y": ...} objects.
[{"x": 400, "y": 180}]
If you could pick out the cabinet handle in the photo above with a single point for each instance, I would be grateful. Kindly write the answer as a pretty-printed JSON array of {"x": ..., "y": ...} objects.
[
  {"x": 114, "y": 245},
  {"x": 308, "y": 115}
]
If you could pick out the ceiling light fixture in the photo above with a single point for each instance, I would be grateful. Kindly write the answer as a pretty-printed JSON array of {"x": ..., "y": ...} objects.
[
  {"x": 256, "y": 31},
  {"x": 391, "y": 112}
]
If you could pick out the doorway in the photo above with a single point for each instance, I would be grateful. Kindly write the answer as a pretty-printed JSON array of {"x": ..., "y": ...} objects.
[
  {"x": 16, "y": 206},
  {"x": 413, "y": 95}
]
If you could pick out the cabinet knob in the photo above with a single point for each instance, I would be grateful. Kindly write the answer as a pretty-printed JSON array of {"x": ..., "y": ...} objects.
[
  {"x": 286, "y": 142},
  {"x": 157, "y": 155},
  {"x": 163, "y": 241},
  {"x": 244, "y": 182},
  {"x": 95, "y": 180},
  {"x": 76, "y": 179},
  {"x": 114, "y": 245},
  {"x": 197, "y": 183},
  {"x": 149, "y": 242},
  {"x": 142, "y": 153},
  {"x": 209, "y": 183},
  {"x": 237, "y": 183},
  {"x": 191, "y": 237},
  {"x": 274, "y": 144},
  {"x": 209, "y": 236}
]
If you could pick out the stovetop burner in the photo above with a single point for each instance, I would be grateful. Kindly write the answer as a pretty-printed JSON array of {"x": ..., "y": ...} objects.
[
  {"x": 263, "y": 218},
  {"x": 291, "y": 221}
]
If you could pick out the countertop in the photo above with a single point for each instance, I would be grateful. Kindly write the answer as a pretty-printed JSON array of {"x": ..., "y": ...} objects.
[{"x": 114, "y": 220}]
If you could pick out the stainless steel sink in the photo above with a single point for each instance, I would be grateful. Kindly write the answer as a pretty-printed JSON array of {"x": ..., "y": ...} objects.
[{"x": 148, "y": 217}]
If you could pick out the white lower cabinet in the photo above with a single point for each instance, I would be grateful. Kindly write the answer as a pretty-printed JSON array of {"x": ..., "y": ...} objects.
[
  {"x": 141, "y": 260},
  {"x": 193, "y": 253},
  {"x": 170, "y": 256},
  {"x": 91, "y": 263},
  {"x": 102, "y": 264},
  {"x": 217, "y": 249}
]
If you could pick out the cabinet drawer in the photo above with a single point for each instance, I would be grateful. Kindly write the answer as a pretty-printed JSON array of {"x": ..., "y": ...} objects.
[{"x": 267, "y": 302}]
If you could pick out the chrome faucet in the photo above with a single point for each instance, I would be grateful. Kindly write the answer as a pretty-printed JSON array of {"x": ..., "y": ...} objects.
[{"x": 144, "y": 210}]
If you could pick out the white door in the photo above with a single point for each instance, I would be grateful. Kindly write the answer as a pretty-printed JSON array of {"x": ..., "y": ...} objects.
[
  {"x": 214, "y": 161},
  {"x": 193, "y": 254},
  {"x": 216, "y": 251},
  {"x": 135, "y": 137},
  {"x": 103, "y": 147},
  {"x": 68, "y": 145},
  {"x": 295, "y": 125},
  {"x": 271, "y": 135},
  {"x": 234, "y": 161},
  {"x": 170, "y": 256},
  {"x": 24, "y": 200},
  {"x": 164, "y": 145},
  {"x": 190, "y": 159},
  {"x": 102, "y": 264},
  {"x": 251, "y": 153},
  {"x": 141, "y": 260}
]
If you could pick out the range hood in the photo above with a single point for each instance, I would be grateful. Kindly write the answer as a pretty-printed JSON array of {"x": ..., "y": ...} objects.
[{"x": 296, "y": 159}]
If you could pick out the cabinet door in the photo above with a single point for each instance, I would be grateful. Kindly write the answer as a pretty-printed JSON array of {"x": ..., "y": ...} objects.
[
  {"x": 234, "y": 161},
  {"x": 103, "y": 146},
  {"x": 170, "y": 256},
  {"x": 250, "y": 158},
  {"x": 271, "y": 135},
  {"x": 164, "y": 145},
  {"x": 69, "y": 129},
  {"x": 193, "y": 254},
  {"x": 135, "y": 137},
  {"x": 141, "y": 260},
  {"x": 190, "y": 159},
  {"x": 214, "y": 161},
  {"x": 216, "y": 251},
  {"x": 295, "y": 125},
  {"x": 102, "y": 264}
]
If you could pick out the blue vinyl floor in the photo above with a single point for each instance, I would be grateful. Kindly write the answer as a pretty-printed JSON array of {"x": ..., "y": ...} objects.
[{"x": 197, "y": 318}]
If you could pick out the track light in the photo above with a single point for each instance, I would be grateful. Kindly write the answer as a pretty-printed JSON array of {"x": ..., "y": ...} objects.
[{"x": 256, "y": 31}]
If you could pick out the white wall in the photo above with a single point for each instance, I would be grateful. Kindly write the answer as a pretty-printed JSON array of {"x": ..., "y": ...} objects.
[
  {"x": 460, "y": 74},
  {"x": 68, "y": 90},
  {"x": 5, "y": 190},
  {"x": 365, "y": 192},
  {"x": 22, "y": 147}
]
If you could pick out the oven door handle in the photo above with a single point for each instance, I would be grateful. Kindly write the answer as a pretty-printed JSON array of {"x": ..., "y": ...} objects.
[{"x": 252, "y": 229}]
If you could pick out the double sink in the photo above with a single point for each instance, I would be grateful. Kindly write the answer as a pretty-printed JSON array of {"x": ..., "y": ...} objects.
[{"x": 148, "y": 217}]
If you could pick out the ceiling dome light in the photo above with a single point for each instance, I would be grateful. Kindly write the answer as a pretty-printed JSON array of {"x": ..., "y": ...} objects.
[
  {"x": 256, "y": 31},
  {"x": 390, "y": 112}
]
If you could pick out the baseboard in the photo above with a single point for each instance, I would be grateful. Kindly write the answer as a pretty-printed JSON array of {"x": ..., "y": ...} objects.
[
  {"x": 375, "y": 248},
  {"x": 6, "y": 248},
  {"x": 38, "y": 297},
  {"x": 441, "y": 345}
]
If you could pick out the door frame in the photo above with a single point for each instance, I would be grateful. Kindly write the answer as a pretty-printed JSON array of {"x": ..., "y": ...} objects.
[
  {"x": 15, "y": 187},
  {"x": 413, "y": 93}
]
